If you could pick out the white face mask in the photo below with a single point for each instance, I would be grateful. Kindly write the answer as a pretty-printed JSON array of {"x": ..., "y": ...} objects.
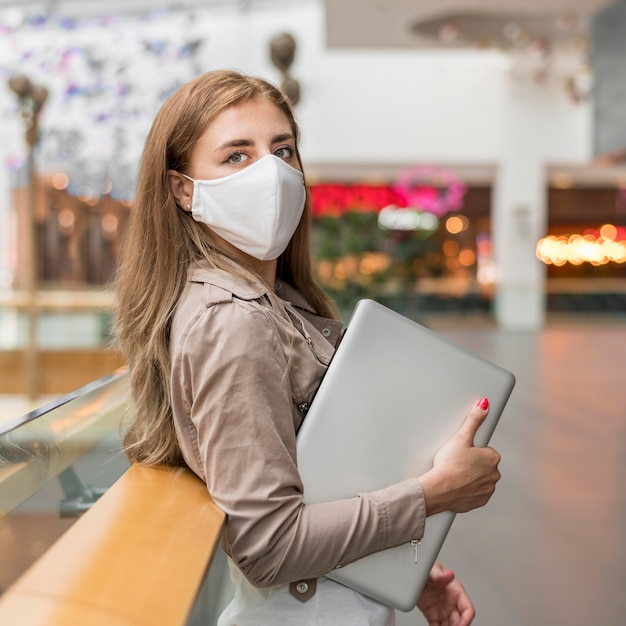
[{"x": 257, "y": 209}]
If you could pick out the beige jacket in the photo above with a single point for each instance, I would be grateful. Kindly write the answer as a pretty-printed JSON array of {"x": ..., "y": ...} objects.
[{"x": 242, "y": 375}]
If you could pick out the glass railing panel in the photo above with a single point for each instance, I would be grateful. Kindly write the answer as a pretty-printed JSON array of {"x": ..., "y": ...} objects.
[{"x": 54, "y": 463}]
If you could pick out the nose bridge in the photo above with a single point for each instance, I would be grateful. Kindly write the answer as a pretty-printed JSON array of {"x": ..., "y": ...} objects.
[{"x": 264, "y": 149}]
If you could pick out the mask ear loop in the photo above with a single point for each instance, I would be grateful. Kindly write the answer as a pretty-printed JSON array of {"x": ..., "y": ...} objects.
[{"x": 187, "y": 208}]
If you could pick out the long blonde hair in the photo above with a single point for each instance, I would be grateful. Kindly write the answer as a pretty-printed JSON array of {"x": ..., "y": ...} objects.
[{"x": 161, "y": 244}]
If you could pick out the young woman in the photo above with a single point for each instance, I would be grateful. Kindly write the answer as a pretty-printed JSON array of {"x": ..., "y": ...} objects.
[{"x": 227, "y": 337}]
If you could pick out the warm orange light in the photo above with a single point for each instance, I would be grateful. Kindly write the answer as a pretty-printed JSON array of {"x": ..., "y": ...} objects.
[
  {"x": 340, "y": 271},
  {"x": 608, "y": 231},
  {"x": 351, "y": 266},
  {"x": 467, "y": 257},
  {"x": 66, "y": 219},
  {"x": 60, "y": 181},
  {"x": 450, "y": 248},
  {"x": 109, "y": 223},
  {"x": 325, "y": 271},
  {"x": 456, "y": 224},
  {"x": 374, "y": 262}
]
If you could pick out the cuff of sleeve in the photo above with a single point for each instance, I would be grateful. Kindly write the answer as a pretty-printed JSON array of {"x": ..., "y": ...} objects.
[{"x": 404, "y": 511}]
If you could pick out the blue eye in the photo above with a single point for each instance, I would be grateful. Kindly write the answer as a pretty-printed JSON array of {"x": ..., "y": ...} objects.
[
  {"x": 284, "y": 153},
  {"x": 237, "y": 157}
]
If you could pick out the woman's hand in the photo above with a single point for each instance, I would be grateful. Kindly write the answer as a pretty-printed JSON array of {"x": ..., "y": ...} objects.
[
  {"x": 444, "y": 601},
  {"x": 463, "y": 477}
]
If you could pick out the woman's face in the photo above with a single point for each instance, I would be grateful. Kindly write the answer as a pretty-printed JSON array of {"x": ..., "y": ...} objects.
[
  {"x": 241, "y": 135},
  {"x": 237, "y": 138}
]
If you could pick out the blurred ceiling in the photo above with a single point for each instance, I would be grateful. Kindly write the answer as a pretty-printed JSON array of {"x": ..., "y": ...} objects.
[{"x": 454, "y": 23}]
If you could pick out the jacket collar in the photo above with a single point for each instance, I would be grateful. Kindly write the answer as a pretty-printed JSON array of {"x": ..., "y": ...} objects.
[
  {"x": 233, "y": 283},
  {"x": 289, "y": 294},
  {"x": 202, "y": 272}
]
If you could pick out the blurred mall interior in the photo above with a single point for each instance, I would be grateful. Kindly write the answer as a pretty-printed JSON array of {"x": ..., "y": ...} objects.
[{"x": 466, "y": 163}]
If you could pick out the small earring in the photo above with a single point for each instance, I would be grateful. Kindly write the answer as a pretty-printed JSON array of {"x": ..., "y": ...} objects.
[{"x": 188, "y": 207}]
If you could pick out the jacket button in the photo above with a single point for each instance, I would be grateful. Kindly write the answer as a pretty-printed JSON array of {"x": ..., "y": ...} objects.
[
  {"x": 326, "y": 332},
  {"x": 302, "y": 587}
]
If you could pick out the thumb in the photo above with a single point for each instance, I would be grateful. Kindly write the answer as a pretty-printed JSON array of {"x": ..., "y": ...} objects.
[{"x": 472, "y": 422}]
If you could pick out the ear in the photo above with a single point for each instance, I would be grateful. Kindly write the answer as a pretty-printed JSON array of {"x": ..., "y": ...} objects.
[{"x": 181, "y": 188}]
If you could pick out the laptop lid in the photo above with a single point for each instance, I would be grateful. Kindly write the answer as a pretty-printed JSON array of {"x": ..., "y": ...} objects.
[{"x": 393, "y": 394}]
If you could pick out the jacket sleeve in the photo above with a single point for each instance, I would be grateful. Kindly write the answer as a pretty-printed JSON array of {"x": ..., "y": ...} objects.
[{"x": 239, "y": 410}]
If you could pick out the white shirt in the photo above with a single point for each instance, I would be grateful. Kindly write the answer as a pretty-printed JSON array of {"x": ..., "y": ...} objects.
[{"x": 332, "y": 605}]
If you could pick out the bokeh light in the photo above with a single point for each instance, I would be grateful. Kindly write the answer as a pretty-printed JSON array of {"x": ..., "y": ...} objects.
[{"x": 606, "y": 245}]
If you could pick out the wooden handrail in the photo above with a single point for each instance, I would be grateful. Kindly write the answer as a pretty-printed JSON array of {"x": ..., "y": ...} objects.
[{"x": 136, "y": 558}]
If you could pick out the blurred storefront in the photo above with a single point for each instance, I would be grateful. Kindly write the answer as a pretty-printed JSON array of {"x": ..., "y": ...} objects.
[
  {"x": 420, "y": 242},
  {"x": 435, "y": 259},
  {"x": 585, "y": 245}
]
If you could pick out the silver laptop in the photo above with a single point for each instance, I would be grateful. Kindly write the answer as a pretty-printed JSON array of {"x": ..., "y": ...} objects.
[{"x": 393, "y": 394}]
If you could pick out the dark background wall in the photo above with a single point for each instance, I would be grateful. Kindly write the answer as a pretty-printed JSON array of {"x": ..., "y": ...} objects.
[{"x": 609, "y": 88}]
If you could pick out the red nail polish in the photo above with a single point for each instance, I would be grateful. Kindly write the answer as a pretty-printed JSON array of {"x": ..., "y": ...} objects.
[{"x": 483, "y": 403}]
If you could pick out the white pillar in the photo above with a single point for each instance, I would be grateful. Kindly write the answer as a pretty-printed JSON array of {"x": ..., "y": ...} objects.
[
  {"x": 519, "y": 207},
  {"x": 538, "y": 127},
  {"x": 518, "y": 217}
]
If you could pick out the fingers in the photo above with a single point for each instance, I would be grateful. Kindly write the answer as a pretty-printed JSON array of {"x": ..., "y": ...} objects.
[
  {"x": 440, "y": 576},
  {"x": 466, "y": 609},
  {"x": 473, "y": 421}
]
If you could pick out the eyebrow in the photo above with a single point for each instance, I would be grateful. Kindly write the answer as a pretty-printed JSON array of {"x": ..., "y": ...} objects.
[
  {"x": 246, "y": 143},
  {"x": 283, "y": 137}
]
